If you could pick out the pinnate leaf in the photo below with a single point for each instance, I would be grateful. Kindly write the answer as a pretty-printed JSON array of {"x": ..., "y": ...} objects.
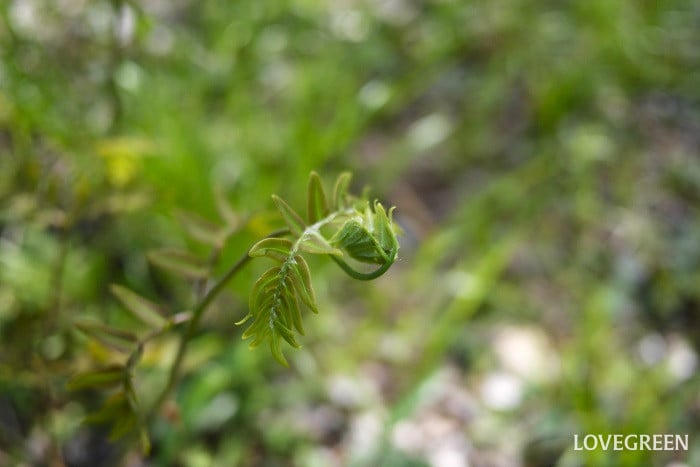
[
  {"x": 362, "y": 230},
  {"x": 317, "y": 205},
  {"x": 291, "y": 218},
  {"x": 314, "y": 243},
  {"x": 301, "y": 279},
  {"x": 292, "y": 304},
  {"x": 274, "y": 312},
  {"x": 275, "y": 248},
  {"x": 276, "y": 348}
]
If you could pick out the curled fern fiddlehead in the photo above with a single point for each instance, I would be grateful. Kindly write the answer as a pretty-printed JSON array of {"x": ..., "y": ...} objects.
[{"x": 343, "y": 227}]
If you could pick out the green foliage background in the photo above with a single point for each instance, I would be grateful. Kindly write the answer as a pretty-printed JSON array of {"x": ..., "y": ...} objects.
[{"x": 543, "y": 157}]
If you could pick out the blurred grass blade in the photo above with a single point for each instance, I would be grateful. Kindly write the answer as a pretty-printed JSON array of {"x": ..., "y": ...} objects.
[
  {"x": 141, "y": 308},
  {"x": 106, "y": 377},
  {"x": 179, "y": 262}
]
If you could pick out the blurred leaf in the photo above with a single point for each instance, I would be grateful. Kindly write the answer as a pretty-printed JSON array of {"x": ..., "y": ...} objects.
[
  {"x": 230, "y": 217},
  {"x": 135, "y": 356},
  {"x": 107, "y": 377},
  {"x": 179, "y": 262},
  {"x": 123, "y": 425},
  {"x": 201, "y": 230},
  {"x": 142, "y": 309},
  {"x": 112, "y": 337},
  {"x": 119, "y": 203},
  {"x": 114, "y": 407},
  {"x": 123, "y": 157}
]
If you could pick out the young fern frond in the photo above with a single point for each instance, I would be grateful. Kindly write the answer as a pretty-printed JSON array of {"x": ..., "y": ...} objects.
[
  {"x": 352, "y": 227},
  {"x": 341, "y": 227}
]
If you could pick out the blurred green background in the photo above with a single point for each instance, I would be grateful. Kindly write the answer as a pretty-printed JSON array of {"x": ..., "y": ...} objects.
[{"x": 544, "y": 161}]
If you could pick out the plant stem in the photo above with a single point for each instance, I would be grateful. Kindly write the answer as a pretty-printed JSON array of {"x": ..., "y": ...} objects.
[
  {"x": 197, "y": 314},
  {"x": 175, "y": 320}
]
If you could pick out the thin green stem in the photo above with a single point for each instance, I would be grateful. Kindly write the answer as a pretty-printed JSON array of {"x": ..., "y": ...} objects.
[
  {"x": 175, "y": 320},
  {"x": 197, "y": 314},
  {"x": 362, "y": 276}
]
